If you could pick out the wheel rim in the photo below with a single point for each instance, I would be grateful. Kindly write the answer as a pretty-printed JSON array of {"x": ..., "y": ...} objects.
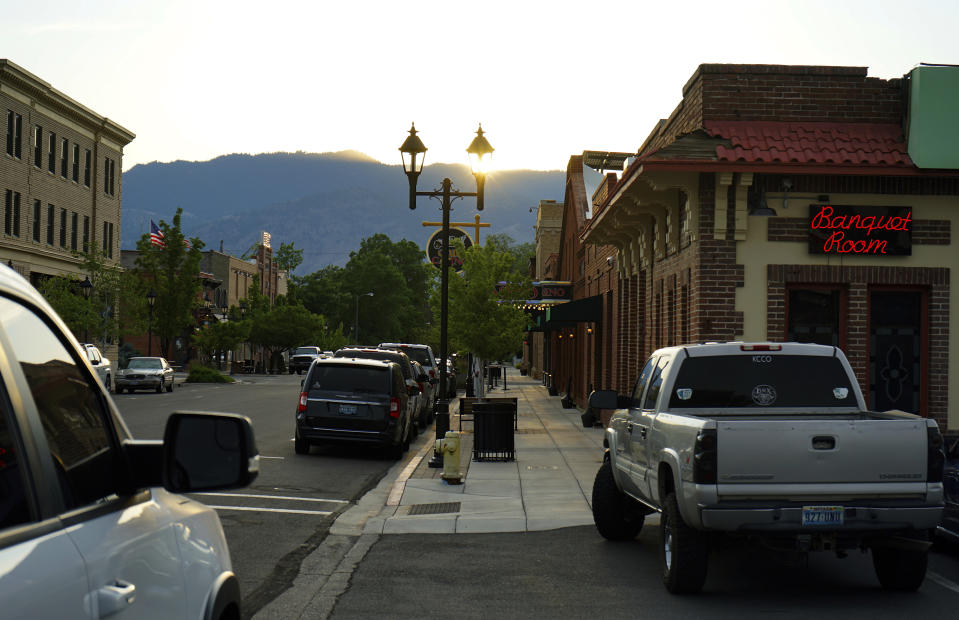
[{"x": 667, "y": 543}]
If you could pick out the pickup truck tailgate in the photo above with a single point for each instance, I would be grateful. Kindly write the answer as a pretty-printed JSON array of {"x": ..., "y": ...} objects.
[{"x": 768, "y": 450}]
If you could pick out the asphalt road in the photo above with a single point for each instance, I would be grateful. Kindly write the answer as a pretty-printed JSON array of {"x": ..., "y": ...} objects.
[
  {"x": 575, "y": 573},
  {"x": 285, "y": 514}
]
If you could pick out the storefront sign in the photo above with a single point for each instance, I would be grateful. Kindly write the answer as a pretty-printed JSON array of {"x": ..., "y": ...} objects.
[
  {"x": 549, "y": 290},
  {"x": 434, "y": 248},
  {"x": 835, "y": 229}
]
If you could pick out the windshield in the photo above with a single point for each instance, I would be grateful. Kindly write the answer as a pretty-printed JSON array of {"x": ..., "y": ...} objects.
[
  {"x": 351, "y": 379},
  {"x": 416, "y": 354},
  {"x": 307, "y": 351},
  {"x": 146, "y": 363},
  {"x": 761, "y": 381}
]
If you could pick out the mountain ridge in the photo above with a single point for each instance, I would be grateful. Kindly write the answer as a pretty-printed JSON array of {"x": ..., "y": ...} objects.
[{"x": 324, "y": 203}]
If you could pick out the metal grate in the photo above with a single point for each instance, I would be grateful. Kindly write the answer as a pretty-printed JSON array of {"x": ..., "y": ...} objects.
[{"x": 434, "y": 509}]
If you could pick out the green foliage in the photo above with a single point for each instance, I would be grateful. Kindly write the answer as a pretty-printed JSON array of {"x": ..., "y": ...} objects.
[
  {"x": 63, "y": 293},
  {"x": 203, "y": 374},
  {"x": 480, "y": 321},
  {"x": 397, "y": 275},
  {"x": 288, "y": 257},
  {"x": 172, "y": 272},
  {"x": 286, "y": 327},
  {"x": 224, "y": 336}
]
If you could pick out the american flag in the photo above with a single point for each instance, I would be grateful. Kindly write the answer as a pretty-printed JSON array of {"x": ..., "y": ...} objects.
[{"x": 156, "y": 236}]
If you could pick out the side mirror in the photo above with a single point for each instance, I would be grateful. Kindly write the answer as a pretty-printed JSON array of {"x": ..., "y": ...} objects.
[
  {"x": 208, "y": 451},
  {"x": 604, "y": 399}
]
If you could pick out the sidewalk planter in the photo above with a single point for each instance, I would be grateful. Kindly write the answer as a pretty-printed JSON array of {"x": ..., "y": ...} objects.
[{"x": 493, "y": 431}]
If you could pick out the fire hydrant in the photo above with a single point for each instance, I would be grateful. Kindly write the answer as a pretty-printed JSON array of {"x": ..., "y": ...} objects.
[{"x": 450, "y": 449}]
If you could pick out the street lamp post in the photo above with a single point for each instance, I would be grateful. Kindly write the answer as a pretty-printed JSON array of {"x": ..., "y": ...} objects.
[
  {"x": 151, "y": 299},
  {"x": 414, "y": 153},
  {"x": 356, "y": 316},
  {"x": 87, "y": 287}
]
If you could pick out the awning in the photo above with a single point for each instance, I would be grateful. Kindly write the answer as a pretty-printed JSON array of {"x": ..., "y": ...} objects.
[{"x": 586, "y": 310}]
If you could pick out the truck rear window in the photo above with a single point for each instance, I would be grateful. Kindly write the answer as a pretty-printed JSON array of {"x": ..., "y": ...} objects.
[
  {"x": 761, "y": 381},
  {"x": 351, "y": 379}
]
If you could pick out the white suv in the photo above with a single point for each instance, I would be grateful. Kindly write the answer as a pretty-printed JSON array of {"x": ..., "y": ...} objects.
[
  {"x": 90, "y": 524},
  {"x": 101, "y": 365}
]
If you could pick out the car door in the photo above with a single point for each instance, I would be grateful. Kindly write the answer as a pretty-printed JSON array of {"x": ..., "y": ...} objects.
[
  {"x": 625, "y": 428},
  {"x": 642, "y": 423},
  {"x": 42, "y": 574},
  {"x": 126, "y": 541}
]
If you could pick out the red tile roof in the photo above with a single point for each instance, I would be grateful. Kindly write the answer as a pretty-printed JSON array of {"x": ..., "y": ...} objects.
[{"x": 871, "y": 144}]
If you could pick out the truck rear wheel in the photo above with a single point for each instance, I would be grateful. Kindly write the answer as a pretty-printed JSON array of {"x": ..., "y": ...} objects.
[
  {"x": 683, "y": 551},
  {"x": 616, "y": 515},
  {"x": 900, "y": 569}
]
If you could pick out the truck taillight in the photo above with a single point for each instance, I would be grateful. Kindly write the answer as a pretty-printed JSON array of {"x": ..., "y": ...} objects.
[
  {"x": 935, "y": 456},
  {"x": 432, "y": 373},
  {"x": 301, "y": 406},
  {"x": 760, "y": 347},
  {"x": 394, "y": 407},
  {"x": 705, "y": 459}
]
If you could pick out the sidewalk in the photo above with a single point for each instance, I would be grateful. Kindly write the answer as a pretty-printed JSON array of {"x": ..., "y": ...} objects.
[{"x": 548, "y": 486}]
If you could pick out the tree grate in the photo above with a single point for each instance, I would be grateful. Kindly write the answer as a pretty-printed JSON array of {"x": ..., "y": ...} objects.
[{"x": 434, "y": 509}]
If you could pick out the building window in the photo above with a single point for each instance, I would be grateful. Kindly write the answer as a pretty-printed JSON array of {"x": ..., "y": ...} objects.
[
  {"x": 814, "y": 315},
  {"x": 108, "y": 239},
  {"x": 52, "y": 155},
  {"x": 38, "y": 146},
  {"x": 76, "y": 162},
  {"x": 14, "y": 134},
  {"x": 64, "y": 156},
  {"x": 63, "y": 228},
  {"x": 109, "y": 172},
  {"x": 50, "y": 223},
  {"x": 87, "y": 159},
  {"x": 36, "y": 220},
  {"x": 8, "y": 212},
  {"x": 86, "y": 233},
  {"x": 73, "y": 230}
]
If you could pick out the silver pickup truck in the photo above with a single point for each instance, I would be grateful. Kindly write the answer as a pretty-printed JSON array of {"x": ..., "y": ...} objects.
[{"x": 770, "y": 441}]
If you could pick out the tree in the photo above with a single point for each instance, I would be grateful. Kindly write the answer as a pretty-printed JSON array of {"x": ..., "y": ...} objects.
[
  {"x": 288, "y": 257},
  {"x": 63, "y": 293},
  {"x": 225, "y": 336},
  {"x": 173, "y": 272},
  {"x": 285, "y": 327},
  {"x": 483, "y": 321}
]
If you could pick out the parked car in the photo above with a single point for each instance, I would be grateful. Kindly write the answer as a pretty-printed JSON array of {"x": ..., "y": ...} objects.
[
  {"x": 354, "y": 400},
  {"x": 949, "y": 527},
  {"x": 418, "y": 403},
  {"x": 303, "y": 357},
  {"x": 422, "y": 382},
  {"x": 101, "y": 365},
  {"x": 145, "y": 373},
  {"x": 423, "y": 354},
  {"x": 772, "y": 441},
  {"x": 91, "y": 522}
]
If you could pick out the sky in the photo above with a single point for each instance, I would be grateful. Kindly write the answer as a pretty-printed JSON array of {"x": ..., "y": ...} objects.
[{"x": 547, "y": 79}]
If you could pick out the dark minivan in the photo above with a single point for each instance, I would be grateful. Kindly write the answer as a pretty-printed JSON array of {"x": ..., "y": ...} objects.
[{"x": 354, "y": 400}]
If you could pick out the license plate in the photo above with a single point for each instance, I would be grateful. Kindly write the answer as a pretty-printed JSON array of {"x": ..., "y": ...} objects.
[
  {"x": 347, "y": 409},
  {"x": 822, "y": 515}
]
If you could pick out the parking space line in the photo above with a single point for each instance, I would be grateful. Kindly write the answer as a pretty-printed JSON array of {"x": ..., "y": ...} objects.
[
  {"x": 287, "y": 497},
  {"x": 945, "y": 583},
  {"x": 285, "y": 510}
]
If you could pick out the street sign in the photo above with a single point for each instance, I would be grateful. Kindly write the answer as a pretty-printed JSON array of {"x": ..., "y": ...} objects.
[{"x": 434, "y": 248}]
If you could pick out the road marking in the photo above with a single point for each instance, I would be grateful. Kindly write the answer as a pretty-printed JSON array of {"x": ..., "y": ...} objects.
[
  {"x": 284, "y": 510},
  {"x": 272, "y": 457},
  {"x": 296, "y": 499},
  {"x": 945, "y": 583}
]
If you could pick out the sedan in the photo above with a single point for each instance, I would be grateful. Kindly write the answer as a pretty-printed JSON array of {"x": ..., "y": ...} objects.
[
  {"x": 145, "y": 373},
  {"x": 949, "y": 527}
]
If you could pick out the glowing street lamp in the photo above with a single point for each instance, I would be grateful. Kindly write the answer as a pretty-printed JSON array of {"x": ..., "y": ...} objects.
[{"x": 413, "y": 152}]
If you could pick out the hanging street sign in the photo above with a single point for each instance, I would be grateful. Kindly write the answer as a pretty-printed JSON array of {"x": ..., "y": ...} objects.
[{"x": 434, "y": 248}]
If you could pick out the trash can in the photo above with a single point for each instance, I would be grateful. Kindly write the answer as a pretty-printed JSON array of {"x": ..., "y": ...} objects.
[{"x": 493, "y": 431}]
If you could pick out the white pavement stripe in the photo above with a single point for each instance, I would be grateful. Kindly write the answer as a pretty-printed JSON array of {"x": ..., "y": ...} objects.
[
  {"x": 286, "y": 510},
  {"x": 295, "y": 499},
  {"x": 272, "y": 457},
  {"x": 945, "y": 583}
]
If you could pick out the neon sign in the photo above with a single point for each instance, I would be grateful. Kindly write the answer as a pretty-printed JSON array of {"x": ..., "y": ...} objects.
[{"x": 857, "y": 230}]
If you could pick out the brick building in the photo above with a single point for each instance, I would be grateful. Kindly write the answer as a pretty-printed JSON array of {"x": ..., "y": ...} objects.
[
  {"x": 801, "y": 203},
  {"x": 60, "y": 174}
]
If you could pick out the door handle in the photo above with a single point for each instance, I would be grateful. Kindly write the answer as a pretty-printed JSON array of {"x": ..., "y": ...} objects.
[{"x": 116, "y": 597}]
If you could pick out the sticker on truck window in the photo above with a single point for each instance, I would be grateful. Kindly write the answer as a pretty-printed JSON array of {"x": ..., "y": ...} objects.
[
  {"x": 840, "y": 393},
  {"x": 684, "y": 393},
  {"x": 764, "y": 395}
]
